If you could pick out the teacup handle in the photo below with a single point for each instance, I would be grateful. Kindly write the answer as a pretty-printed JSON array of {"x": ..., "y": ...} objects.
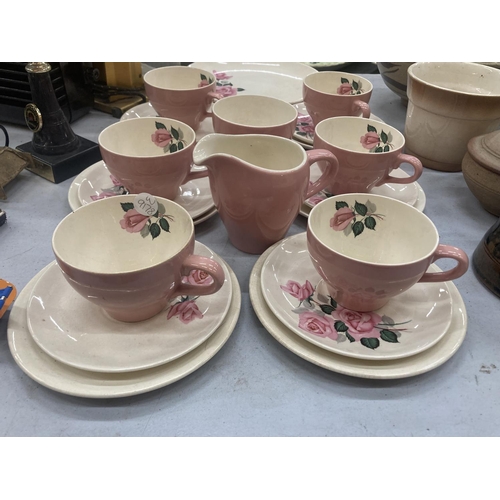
[
  {"x": 363, "y": 106},
  {"x": 199, "y": 263},
  {"x": 215, "y": 97},
  {"x": 414, "y": 162},
  {"x": 329, "y": 173},
  {"x": 195, "y": 174},
  {"x": 447, "y": 252}
]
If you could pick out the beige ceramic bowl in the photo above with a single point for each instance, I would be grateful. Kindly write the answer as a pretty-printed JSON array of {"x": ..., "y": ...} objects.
[{"x": 395, "y": 76}]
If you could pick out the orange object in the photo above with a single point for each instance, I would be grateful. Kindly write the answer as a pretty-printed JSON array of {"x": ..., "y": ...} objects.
[{"x": 8, "y": 293}]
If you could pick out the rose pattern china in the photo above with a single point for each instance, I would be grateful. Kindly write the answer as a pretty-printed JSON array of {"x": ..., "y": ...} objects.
[
  {"x": 116, "y": 190},
  {"x": 350, "y": 88},
  {"x": 168, "y": 137},
  {"x": 135, "y": 222},
  {"x": 223, "y": 86},
  {"x": 354, "y": 219},
  {"x": 375, "y": 142}
]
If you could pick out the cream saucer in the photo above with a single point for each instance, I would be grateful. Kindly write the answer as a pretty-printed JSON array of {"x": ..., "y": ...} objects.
[
  {"x": 385, "y": 369},
  {"x": 410, "y": 323},
  {"x": 304, "y": 131},
  {"x": 195, "y": 196},
  {"x": 77, "y": 333},
  {"x": 67, "y": 380},
  {"x": 145, "y": 109}
]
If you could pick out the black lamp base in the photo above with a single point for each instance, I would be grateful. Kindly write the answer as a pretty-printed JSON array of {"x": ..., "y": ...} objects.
[{"x": 58, "y": 168}]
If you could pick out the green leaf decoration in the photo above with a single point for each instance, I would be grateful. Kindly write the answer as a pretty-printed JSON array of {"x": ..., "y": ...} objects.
[
  {"x": 383, "y": 137},
  {"x": 301, "y": 133},
  {"x": 371, "y": 343},
  {"x": 173, "y": 148},
  {"x": 378, "y": 149},
  {"x": 387, "y": 320},
  {"x": 358, "y": 228},
  {"x": 370, "y": 222},
  {"x": 240, "y": 89},
  {"x": 386, "y": 148},
  {"x": 371, "y": 206},
  {"x": 355, "y": 85},
  {"x": 160, "y": 125},
  {"x": 175, "y": 133},
  {"x": 156, "y": 214},
  {"x": 210, "y": 80},
  {"x": 360, "y": 208},
  {"x": 165, "y": 225},
  {"x": 161, "y": 208},
  {"x": 340, "y": 326},
  {"x": 180, "y": 145},
  {"x": 340, "y": 204},
  {"x": 344, "y": 80},
  {"x": 202, "y": 76},
  {"x": 371, "y": 128},
  {"x": 145, "y": 231},
  {"x": 333, "y": 303},
  {"x": 327, "y": 309},
  {"x": 350, "y": 337},
  {"x": 155, "y": 230},
  {"x": 127, "y": 206},
  {"x": 389, "y": 336}
]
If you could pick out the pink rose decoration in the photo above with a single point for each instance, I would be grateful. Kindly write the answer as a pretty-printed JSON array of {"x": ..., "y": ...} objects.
[
  {"x": 345, "y": 88},
  {"x": 314, "y": 200},
  {"x": 369, "y": 140},
  {"x": 198, "y": 277},
  {"x": 219, "y": 75},
  {"x": 322, "y": 326},
  {"x": 161, "y": 137},
  {"x": 104, "y": 194},
  {"x": 204, "y": 83},
  {"x": 308, "y": 129},
  {"x": 187, "y": 311},
  {"x": 301, "y": 292},
  {"x": 360, "y": 324},
  {"x": 343, "y": 216},
  {"x": 226, "y": 90},
  {"x": 133, "y": 221},
  {"x": 115, "y": 181}
]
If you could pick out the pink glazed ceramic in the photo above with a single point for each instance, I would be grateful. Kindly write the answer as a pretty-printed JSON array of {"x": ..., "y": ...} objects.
[
  {"x": 152, "y": 155},
  {"x": 253, "y": 114},
  {"x": 182, "y": 93},
  {"x": 369, "y": 248},
  {"x": 128, "y": 254},
  {"x": 367, "y": 152},
  {"x": 259, "y": 183},
  {"x": 333, "y": 93}
]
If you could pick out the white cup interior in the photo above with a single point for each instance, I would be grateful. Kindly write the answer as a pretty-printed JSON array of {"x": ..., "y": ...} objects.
[
  {"x": 328, "y": 82},
  {"x": 177, "y": 78},
  {"x": 401, "y": 235},
  {"x": 265, "y": 151},
  {"x": 91, "y": 238},
  {"x": 255, "y": 111},
  {"x": 468, "y": 78},
  {"x": 347, "y": 132},
  {"x": 135, "y": 137}
]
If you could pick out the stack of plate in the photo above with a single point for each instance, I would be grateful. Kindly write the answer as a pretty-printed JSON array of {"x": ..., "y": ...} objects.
[
  {"x": 68, "y": 344},
  {"x": 414, "y": 333}
]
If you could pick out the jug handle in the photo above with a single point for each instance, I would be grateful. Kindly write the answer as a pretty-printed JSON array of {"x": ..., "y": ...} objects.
[
  {"x": 215, "y": 97},
  {"x": 329, "y": 173},
  {"x": 195, "y": 174}
]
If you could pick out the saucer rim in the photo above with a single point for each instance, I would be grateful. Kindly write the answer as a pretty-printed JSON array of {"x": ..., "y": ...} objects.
[
  {"x": 74, "y": 201},
  {"x": 418, "y": 364},
  {"x": 57, "y": 377},
  {"x": 367, "y": 354},
  {"x": 72, "y": 359}
]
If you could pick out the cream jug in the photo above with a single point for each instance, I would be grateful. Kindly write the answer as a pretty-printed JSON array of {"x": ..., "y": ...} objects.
[{"x": 259, "y": 183}]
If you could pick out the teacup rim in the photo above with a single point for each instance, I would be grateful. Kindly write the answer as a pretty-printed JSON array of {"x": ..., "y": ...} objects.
[
  {"x": 170, "y": 68},
  {"x": 122, "y": 198},
  {"x": 336, "y": 73},
  {"x": 331, "y": 199},
  {"x": 146, "y": 118}
]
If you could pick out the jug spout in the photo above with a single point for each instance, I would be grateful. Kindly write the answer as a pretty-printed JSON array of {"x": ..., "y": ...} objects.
[{"x": 212, "y": 147}]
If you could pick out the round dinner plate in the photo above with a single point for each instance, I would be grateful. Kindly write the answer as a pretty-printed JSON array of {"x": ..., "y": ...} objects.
[
  {"x": 282, "y": 80},
  {"x": 72, "y": 381},
  {"x": 371, "y": 369},
  {"x": 78, "y": 333}
]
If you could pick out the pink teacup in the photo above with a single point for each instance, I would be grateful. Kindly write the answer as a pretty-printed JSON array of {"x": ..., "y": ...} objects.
[
  {"x": 333, "y": 93},
  {"x": 128, "y": 255},
  {"x": 259, "y": 182},
  {"x": 152, "y": 155},
  {"x": 182, "y": 93},
  {"x": 367, "y": 151},
  {"x": 253, "y": 114},
  {"x": 370, "y": 248}
]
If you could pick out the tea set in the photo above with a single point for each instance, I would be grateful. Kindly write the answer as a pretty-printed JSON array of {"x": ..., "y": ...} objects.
[{"x": 357, "y": 293}]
